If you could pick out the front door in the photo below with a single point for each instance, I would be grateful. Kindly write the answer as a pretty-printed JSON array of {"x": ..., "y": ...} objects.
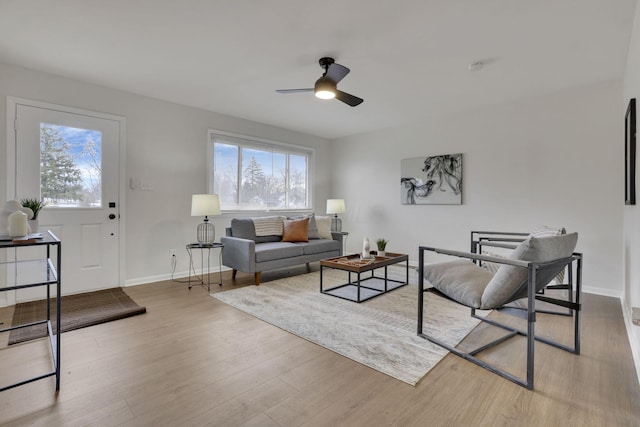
[{"x": 70, "y": 160}]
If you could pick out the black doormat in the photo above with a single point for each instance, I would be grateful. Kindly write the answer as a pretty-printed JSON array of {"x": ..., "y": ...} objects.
[{"x": 77, "y": 311}]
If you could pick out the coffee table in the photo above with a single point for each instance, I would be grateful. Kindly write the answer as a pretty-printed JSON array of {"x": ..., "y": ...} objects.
[{"x": 356, "y": 291}]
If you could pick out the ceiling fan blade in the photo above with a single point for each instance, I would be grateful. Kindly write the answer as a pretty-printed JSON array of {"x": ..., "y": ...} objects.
[
  {"x": 336, "y": 72},
  {"x": 294, "y": 90},
  {"x": 348, "y": 99}
]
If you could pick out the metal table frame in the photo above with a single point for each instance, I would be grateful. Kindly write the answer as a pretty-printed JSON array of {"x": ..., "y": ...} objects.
[
  {"x": 49, "y": 275},
  {"x": 202, "y": 246},
  {"x": 381, "y": 262}
]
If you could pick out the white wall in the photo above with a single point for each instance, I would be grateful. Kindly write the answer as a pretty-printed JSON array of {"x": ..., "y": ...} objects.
[
  {"x": 631, "y": 223},
  {"x": 550, "y": 160},
  {"x": 166, "y": 146}
]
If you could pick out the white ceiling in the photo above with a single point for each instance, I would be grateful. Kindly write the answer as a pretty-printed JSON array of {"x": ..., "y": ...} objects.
[{"x": 408, "y": 58}]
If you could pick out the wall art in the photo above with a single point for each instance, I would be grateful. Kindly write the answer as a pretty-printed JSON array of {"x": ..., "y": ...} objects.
[{"x": 433, "y": 180}]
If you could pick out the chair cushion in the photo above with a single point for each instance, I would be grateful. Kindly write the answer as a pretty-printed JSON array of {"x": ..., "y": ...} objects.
[
  {"x": 460, "y": 280},
  {"x": 541, "y": 231},
  {"x": 296, "y": 230},
  {"x": 508, "y": 283},
  {"x": 545, "y": 231}
]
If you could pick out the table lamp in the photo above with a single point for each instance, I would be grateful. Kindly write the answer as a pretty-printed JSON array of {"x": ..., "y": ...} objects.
[
  {"x": 335, "y": 207},
  {"x": 205, "y": 204}
]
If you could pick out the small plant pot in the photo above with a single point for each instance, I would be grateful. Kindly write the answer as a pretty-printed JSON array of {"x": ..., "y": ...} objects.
[
  {"x": 382, "y": 253},
  {"x": 33, "y": 224}
]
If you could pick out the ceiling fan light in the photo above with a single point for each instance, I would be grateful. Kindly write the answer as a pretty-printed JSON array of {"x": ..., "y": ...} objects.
[
  {"x": 325, "y": 94},
  {"x": 325, "y": 89}
]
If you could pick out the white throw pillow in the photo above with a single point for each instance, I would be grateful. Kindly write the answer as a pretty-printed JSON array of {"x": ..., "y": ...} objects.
[{"x": 324, "y": 227}]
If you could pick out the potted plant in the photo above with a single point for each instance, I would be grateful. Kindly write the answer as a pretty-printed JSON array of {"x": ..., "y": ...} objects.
[
  {"x": 36, "y": 206},
  {"x": 382, "y": 245}
]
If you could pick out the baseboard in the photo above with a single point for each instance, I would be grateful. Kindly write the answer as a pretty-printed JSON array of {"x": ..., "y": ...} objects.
[
  {"x": 164, "y": 277},
  {"x": 602, "y": 291},
  {"x": 633, "y": 333}
]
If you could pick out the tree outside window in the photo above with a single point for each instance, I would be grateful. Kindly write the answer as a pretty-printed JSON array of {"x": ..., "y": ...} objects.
[{"x": 70, "y": 166}]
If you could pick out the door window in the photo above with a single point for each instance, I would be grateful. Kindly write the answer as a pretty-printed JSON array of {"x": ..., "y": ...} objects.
[{"x": 70, "y": 166}]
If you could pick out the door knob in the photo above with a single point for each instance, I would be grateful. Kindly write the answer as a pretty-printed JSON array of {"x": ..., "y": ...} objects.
[{"x": 112, "y": 216}]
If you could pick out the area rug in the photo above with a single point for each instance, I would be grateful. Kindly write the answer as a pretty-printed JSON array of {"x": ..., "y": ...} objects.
[
  {"x": 77, "y": 311},
  {"x": 379, "y": 333}
]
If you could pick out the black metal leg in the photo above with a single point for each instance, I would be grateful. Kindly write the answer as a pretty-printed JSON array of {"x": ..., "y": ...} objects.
[
  {"x": 190, "y": 265},
  {"x": 58, "y": 310},
  {"x": 220, "y": 265},
  {"x": 385, "y": 278},
  {"x": 531, "y": 319},
  {"x": 576, "y": 332},
  {"x": 420, "y": 287},
  {"x": 407, "y": 272}
]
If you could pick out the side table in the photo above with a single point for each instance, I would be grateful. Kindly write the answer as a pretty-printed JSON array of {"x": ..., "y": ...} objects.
[
  {"x": 202, "y": 247},
  {"x": 344, "y": 234}
]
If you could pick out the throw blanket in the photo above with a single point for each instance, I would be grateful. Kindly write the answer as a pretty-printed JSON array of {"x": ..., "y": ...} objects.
[{"x": 268, "y": 225}]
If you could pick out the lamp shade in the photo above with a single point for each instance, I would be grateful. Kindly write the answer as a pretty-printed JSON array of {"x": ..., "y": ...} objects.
[
  {"x": 335, "y": 206},
  {"x": 205, "y": 204}
]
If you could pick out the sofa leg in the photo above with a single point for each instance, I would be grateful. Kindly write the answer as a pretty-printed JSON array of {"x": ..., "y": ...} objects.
[
  {"x": 233, "y": 274},
  {"x": 257, "y": 278}
]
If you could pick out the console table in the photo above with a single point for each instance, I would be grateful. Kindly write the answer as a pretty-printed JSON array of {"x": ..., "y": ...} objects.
[{"x": 43, "y": 272}]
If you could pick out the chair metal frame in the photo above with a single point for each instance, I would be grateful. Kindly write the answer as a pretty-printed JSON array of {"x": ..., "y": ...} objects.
[{"x": 534, "y": 289}]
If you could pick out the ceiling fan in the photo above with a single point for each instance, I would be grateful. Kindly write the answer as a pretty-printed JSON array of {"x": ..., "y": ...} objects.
[{"x": 326, "y": 86}]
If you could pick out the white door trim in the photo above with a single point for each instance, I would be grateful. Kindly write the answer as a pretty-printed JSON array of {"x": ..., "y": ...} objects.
[{"x": 12, "y": 103}]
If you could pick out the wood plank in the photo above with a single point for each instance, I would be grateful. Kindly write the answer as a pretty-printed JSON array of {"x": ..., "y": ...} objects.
[{"x": 194, "y": 360}]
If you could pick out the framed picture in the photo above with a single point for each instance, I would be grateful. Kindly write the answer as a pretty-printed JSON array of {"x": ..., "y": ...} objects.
[
  {"x": 434, "y": 180},
  {"x": 630, "y": 154}
]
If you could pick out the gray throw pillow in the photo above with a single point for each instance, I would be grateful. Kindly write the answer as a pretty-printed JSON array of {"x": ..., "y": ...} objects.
[{"x": 244, "y": 228}]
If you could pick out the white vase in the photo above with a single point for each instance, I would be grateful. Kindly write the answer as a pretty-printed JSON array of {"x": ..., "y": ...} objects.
[
  {"x": 382, "y": 253},
  {"x": 33, "y": 223},
  {"x": 18, "y": 224},
  {"x": 366, "y": 248}
]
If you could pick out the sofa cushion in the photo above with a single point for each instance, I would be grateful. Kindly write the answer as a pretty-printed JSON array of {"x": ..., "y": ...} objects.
[
  {"x": 318, "y": 246},
  {"x": 268, "y": 225},
  {"x": 324, "y": 227},
  {"x": 313, "y": 227},
  {"x": 296, "y": 230},
  {"x": 244, "y": 228},
  {"x": 277, "y": 250}
]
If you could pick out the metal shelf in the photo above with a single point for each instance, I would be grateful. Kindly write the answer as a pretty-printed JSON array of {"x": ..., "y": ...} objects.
[{"x": 30, "y": 274}]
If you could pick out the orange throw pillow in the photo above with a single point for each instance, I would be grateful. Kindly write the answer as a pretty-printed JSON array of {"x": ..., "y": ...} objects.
[{"x": 296, "y": 230}]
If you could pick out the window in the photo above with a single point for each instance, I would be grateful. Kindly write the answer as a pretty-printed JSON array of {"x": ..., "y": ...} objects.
[
  {"x": 259, "y": 175},
  {"x": 70, "y": 166}
]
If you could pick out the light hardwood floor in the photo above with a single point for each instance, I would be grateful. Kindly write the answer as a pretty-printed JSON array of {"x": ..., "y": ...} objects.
[{"x": 192, "y": 360}]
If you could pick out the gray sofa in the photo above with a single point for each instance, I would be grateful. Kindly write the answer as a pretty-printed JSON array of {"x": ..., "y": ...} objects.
[{"x": 245, "y": 251}]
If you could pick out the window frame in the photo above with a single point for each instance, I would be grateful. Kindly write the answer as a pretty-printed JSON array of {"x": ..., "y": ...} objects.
[{"x": 245, "y": 141}]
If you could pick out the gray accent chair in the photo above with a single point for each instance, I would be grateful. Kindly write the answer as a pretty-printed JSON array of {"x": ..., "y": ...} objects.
[
  {"x": 524, "y": 273},
  {"x": 246, "y": 252}
]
